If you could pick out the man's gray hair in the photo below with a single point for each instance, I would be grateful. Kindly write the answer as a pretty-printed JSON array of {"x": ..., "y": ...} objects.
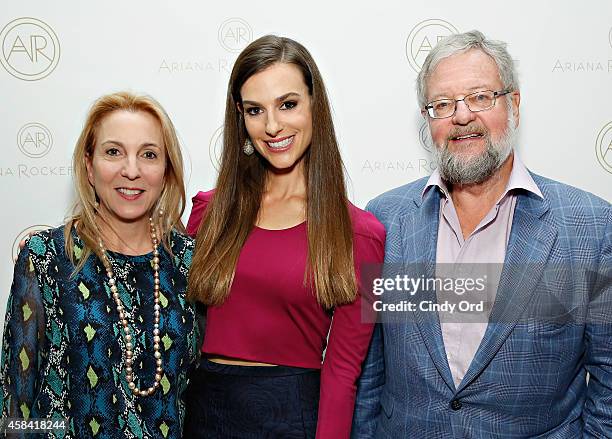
[{"x": 459, "y": 43}]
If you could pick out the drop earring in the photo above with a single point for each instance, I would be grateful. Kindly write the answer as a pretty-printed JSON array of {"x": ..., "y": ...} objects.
[{"x": 247, "y": 148}]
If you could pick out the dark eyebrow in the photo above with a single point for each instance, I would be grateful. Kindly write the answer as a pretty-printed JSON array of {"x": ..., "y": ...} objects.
[
  {"x": 287, "y": 95},
  {"x": 278, "y": 99}
]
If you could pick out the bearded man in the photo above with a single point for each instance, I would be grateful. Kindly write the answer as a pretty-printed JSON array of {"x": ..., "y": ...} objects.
[{"x": 536, "y": 361}]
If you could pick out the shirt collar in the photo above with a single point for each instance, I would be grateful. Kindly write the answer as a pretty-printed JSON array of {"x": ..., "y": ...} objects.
[
  {"x": 435, "y": 180},
  {"x": 520, "y": 178}
]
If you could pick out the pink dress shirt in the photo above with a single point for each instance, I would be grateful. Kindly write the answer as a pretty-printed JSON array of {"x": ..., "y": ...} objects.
[{"x": 485, "y": 245}]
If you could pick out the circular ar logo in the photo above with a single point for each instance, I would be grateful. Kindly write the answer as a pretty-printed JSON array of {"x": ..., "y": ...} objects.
[
  {"x": 603, "y": 147},
  {"x": 424, "y": 136},
  {"x": 34, "y": 140},
  {"x": 423, "y": 37},
  {"x": 235, "y": 34},
  {"x": 30, "y": 49},
  {"x": 215, "y": 147},
  {"x": 23, "y": 235},
  {"x": 610, "y": 37}
]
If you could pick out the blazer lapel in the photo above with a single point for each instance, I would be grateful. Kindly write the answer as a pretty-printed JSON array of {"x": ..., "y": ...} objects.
[
  {"x": 419, "y": 231},
  {"x": 530, "y": 243}
]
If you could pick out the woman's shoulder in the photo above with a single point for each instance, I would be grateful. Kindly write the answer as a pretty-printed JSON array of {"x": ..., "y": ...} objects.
[
  {"x": 47, "y": 241},
  {"x": 366, "y": 225},
  {"x": 200, "y": 201},
  {"x": 203, "y": 197},
  {"x": 182, "y": 248},
  {"x": 180, "y": 241}
]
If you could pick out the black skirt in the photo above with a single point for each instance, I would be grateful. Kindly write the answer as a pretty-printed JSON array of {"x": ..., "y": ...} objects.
[{"x": 252, "y": 402}]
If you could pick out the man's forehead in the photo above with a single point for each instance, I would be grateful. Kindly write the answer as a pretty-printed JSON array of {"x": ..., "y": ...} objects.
[{"x": 463, "y": 72}]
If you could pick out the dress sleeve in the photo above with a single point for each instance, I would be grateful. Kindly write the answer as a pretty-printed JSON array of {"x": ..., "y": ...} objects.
[
  {"x": 23, "y": 341},
  {"x": 347, "y": 346}
]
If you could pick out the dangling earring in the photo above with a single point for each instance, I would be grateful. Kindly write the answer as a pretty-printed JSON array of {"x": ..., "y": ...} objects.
[{"x": 247, "y": 148}]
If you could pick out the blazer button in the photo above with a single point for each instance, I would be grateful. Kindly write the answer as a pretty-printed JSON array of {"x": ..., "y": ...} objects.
[{"x": 456, "y": 404}]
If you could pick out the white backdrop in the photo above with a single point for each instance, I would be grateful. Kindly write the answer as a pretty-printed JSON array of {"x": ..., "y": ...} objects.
[{"x": 57, "y": 57}]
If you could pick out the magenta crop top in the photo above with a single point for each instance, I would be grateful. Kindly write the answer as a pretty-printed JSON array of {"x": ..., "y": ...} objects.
[{"x": 271, "y": 317}]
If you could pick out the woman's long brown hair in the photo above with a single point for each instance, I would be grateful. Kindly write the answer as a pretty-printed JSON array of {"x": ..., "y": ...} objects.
[{"x": 232, "y": 212}]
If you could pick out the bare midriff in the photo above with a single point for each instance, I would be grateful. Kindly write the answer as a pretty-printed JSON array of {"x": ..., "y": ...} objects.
[{"x": 237, "y": 361}]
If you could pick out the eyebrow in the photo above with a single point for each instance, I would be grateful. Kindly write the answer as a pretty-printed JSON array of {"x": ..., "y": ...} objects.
[
  {"x": 278, "y": 99},
  {"x": 469, "y": 90},
  {"x": 116, "y": 142}
]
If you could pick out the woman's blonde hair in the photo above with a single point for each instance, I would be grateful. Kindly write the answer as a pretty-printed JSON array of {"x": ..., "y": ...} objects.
[{"x": 169, "y": 208}]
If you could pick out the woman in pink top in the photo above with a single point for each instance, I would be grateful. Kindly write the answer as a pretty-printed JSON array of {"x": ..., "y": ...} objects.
[{"x": 279, "y": 253}]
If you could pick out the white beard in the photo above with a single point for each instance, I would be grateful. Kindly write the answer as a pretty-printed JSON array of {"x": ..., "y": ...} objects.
[{"x": 456, "y": 170}]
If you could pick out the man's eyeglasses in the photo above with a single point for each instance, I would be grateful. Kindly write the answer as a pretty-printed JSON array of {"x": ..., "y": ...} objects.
[{"x": 477, "y": 101}]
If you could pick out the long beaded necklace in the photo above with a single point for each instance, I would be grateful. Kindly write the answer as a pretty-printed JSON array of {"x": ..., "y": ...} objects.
[{"x": 127, "y": 336}]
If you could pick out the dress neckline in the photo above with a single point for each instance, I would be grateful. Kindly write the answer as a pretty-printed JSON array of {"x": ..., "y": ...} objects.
[
  {"x": 146, "y": 257},
  {"x": 303, "y": 223}
]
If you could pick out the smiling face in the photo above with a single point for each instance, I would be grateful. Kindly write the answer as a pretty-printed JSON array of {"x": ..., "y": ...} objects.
[
  {"x": 127, "y": 166},
  {"x": 470, "y": 146},
  {"x": 277, "y": 114}
]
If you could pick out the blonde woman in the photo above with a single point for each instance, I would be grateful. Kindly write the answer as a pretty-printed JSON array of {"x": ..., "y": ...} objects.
[{"x": 97, "y": 330}]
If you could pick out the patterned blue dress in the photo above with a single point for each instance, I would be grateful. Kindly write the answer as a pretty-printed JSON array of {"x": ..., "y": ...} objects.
[{"x": 63, "y": 350}]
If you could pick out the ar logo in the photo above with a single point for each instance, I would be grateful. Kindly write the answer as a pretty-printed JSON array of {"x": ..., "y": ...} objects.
[
  {"x": 30, "y": 49},
  {"x": 235, "y": 34},
  {"x": 603, "y": 147},
  {"x": 423, "y": 37},
  {"x": 425, "y": 137},
  {"x": 215, "y": 147},
  {"x": 34, "y": 140}
]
